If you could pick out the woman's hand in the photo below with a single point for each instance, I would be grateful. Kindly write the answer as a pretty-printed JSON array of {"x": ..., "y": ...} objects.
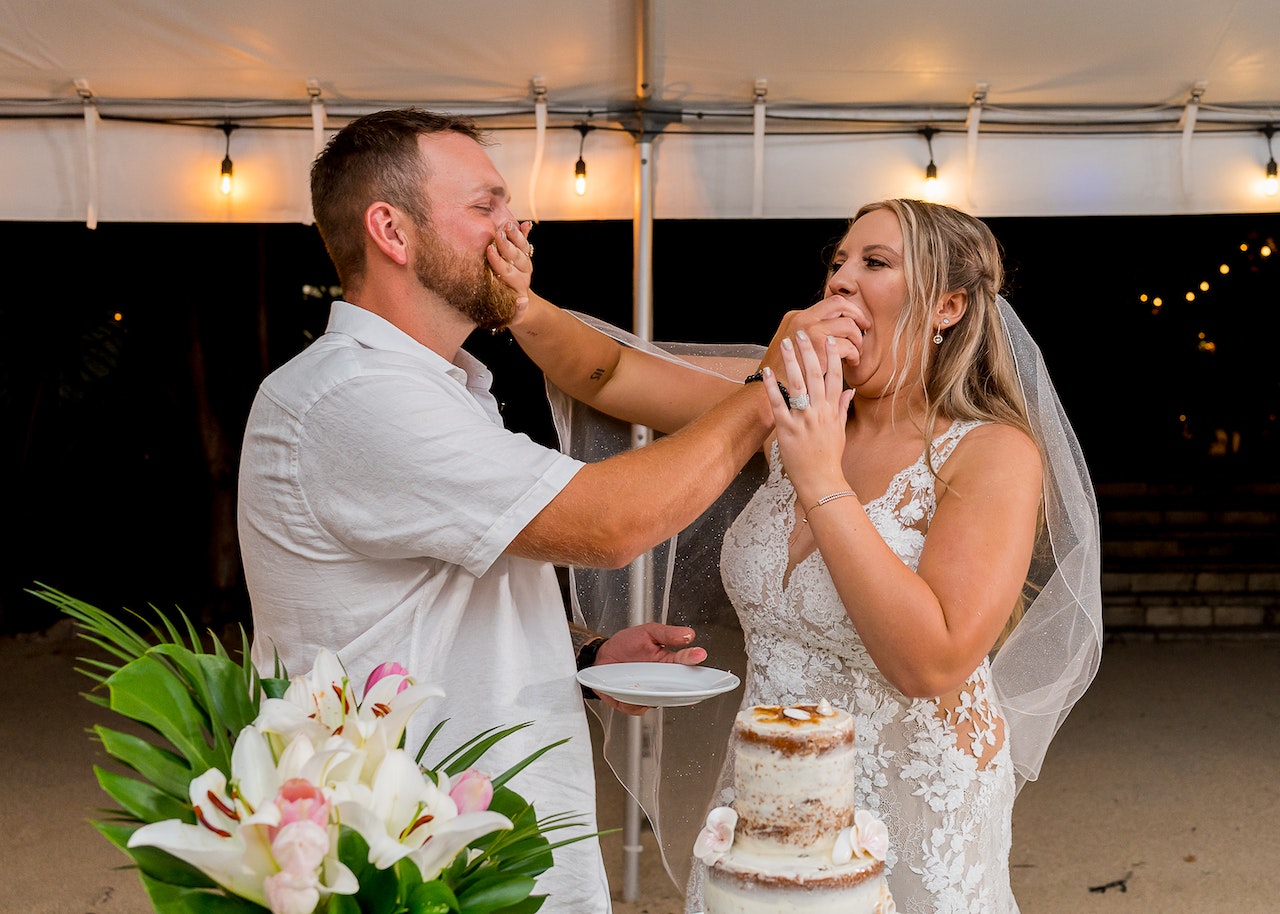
[
  {"x": 511, "y": 258},
  {"x": 811, "y": 432},
  {"x": 834, "y": 316}
]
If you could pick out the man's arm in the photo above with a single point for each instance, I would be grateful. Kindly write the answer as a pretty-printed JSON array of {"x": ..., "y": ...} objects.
[
  {"x": 616, "y": 509},
  {"x": 594, "y": 368}
]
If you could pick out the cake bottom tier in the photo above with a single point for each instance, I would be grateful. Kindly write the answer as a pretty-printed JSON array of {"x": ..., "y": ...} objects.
[{"x": 751, "y": 884}]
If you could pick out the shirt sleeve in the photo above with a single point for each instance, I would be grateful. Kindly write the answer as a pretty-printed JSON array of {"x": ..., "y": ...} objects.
[{"x": 397, "y": 466}]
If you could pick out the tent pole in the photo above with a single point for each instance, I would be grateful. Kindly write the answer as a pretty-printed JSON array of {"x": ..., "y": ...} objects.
[
  {"x": 641, "y": 570},
  {"x": 642, "y": 326}
]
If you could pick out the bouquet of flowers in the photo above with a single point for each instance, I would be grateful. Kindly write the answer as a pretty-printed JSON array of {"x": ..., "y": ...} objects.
[{"x": 296, "y": 795}]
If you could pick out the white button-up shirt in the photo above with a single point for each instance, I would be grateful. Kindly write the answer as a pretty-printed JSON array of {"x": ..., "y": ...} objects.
[{"x": 378, "y": 490}]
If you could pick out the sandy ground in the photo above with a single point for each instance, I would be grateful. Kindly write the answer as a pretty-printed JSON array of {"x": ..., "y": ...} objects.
[{"x": 1160, "y": 794}]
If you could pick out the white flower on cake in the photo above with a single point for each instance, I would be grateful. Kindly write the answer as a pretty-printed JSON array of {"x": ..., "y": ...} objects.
[
  {"x": 868, "y": 837},
  {"x": 716, "y": 836},
  {"x": 826, "y": 709}
]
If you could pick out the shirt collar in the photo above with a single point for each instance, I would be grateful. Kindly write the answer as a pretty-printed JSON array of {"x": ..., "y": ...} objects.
[{"x": 375, "y": 332}]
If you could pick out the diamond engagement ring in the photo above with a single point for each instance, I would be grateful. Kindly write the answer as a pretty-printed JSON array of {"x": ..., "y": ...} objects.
[
  {"x": 799, "y": 401},
  {"x": 531, "y": 252}
]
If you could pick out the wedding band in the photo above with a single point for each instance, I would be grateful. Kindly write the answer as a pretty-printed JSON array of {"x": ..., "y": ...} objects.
[{"x": 799, "y": 401}]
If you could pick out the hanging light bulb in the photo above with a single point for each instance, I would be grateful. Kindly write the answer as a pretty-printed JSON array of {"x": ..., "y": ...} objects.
[
  {"x": 227, "y": 167},
  {"x": 931, "y": 170},
  {"x": 1271, "y": 183},
  {"x": 580, "y": 167}
]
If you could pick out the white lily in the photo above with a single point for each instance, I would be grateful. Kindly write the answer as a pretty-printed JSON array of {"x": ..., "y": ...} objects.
[
  {"x": 239, "y": 822},
  {"x": 403, "y": 814},
  {"x": 316, "y": 704},
  {"x": 322, "y": 704}
]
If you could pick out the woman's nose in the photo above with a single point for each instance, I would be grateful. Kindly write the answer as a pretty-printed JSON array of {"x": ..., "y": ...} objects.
[{"x": 841, "y": 282}]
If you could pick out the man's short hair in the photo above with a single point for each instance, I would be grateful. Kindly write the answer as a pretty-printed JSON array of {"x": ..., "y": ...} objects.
[{"x": 374, "y": 157}]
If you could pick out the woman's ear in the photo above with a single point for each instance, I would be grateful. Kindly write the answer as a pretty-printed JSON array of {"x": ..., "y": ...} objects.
[{"x": 951, "y": 307}]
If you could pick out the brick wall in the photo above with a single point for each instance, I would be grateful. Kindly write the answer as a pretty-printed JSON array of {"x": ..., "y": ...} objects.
[{"x": 1183, "y": 559}]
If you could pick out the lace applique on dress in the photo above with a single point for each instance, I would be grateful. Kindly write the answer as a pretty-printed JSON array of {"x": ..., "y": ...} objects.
[{"x": 936, "y": 771}]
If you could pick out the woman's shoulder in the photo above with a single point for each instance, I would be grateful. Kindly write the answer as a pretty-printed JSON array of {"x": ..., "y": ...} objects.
[
  {"x": 982, "y": 446},
  {"x": 983, "y": 434}
]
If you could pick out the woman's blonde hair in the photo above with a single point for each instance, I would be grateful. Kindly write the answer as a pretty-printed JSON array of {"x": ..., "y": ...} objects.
[{"x": 971, "y": 374}]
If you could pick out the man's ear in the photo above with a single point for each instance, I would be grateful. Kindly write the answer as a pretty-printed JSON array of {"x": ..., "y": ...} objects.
[{"x": 382, "y": 223}]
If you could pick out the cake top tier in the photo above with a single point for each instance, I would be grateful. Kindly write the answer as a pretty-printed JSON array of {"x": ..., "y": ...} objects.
[{"x": 798, "y": 727}]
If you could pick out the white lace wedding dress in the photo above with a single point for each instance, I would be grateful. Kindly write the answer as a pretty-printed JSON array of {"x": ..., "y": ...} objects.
[{"x": 937, "y": 772}]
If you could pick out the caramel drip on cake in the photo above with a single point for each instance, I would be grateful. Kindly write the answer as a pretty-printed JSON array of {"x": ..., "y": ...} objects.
[{"x": 797, "y": 736}]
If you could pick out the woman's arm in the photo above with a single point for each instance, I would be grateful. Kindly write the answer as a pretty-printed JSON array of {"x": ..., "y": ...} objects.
[
  {"x": 631, "y": 384},
  {"x": 929, "y": 629}
]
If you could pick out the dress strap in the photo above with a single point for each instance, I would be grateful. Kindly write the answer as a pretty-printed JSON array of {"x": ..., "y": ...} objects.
[{"x": 944, "y": 444}]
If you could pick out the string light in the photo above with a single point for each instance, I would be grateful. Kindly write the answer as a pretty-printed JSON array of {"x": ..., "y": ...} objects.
[
  {"x": 227, "y": 167},
  {"x": 580, "y": 167},
  {"x": 1271, "y": 183},
  {"x": 931, "y": 170}
]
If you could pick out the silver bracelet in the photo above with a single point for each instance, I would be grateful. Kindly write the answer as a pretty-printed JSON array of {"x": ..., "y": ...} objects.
[{"x": 826, "y": 498}]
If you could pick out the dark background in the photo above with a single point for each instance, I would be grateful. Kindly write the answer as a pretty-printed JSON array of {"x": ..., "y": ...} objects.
[{"x": 133, "y": 353}]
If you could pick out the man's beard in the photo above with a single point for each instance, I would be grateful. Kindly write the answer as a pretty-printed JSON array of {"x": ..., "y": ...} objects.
[{"x": 472, "y": 288}]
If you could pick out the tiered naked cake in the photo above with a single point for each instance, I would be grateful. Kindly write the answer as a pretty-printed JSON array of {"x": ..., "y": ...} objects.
[{"x": 793, "y": 841}]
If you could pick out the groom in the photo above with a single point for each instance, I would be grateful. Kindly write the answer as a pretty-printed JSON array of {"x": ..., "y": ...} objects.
[{"x": 386, "y": 514}]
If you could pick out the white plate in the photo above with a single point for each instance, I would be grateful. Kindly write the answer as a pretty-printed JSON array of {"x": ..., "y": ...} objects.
[{"x": 657, "y": 685}]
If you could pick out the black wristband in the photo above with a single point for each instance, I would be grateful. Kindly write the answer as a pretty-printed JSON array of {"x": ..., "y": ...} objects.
[
  {"x": 759, "y": 376},
  {"x": 586, "y": 658}
]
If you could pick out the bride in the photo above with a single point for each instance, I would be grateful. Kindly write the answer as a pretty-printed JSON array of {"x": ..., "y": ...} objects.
[{"x": 922, "y": 550}]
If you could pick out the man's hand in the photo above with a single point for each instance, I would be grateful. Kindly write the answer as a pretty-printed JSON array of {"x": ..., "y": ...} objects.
[{"x": 651, "y": 642}]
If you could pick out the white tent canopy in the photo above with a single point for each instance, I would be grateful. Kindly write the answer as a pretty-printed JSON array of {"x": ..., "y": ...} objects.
[{"x": 114, "y": 110}]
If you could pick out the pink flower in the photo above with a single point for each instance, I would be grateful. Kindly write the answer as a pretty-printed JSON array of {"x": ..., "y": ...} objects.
[
  {"x": 867, "y": 838},
  {"x": 472, "y": 791},
  {"x": 299, "y": 849},
  {"x": 299, "y": 844},
  {"x": 300, "y": 801},
  {"x": 716, "y": 837},
  {"x": 383, "y": 670},
  {"x": 873, "y": 835}
]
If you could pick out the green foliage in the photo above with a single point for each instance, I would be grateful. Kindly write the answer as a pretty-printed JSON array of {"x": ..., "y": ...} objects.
[{"x": 194, "y": 701}]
